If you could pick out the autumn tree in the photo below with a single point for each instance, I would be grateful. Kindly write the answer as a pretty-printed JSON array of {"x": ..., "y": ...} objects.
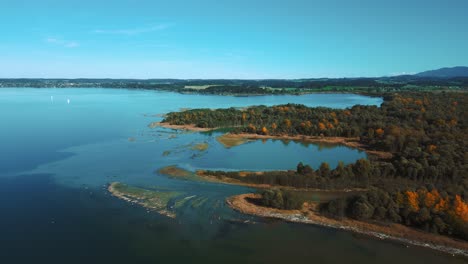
[
  {"x": 460, "y": 209},
  {"x": 379, "y": 132},
  {"x": 412, "y": 200},
  {"x": 287, "y": 123},
  {"x": 431, "y": 148},
  {"x": 431, "y": 198},
  {"x": 321, "y": 126},
  {"x": 274, "y": 126}
]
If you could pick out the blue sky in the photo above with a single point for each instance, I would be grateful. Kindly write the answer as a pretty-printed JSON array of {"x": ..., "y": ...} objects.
[{"x": 230, "y": 39}]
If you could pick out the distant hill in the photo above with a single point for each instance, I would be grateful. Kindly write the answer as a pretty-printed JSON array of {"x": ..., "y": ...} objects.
[{"x": 459, "y": 71}]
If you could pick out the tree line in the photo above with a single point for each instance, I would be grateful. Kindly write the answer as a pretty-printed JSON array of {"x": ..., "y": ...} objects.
[
  {"x": 226, "y": 86},
  {"x": 423, "y": 208}
]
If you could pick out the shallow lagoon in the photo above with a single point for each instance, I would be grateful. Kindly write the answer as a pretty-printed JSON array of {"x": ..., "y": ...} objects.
[{"x": 57, "y": 159}]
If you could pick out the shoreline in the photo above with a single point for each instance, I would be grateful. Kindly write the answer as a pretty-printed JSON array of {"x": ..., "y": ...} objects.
[
  {"x": 190, "y": 127},
  {"x": 296, "y": 93},
  {"x": 225, "y": 180},
  {"x": 348, "y": 142},
  {"x": 393, "y": 232},
  {"x": 230, "y": 181}
]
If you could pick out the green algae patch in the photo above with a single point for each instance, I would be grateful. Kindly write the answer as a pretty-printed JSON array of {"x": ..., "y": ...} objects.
[
  {"x": 230, "y": 140},
  {"x": 200, "y": 147},
  {"x": 151, "y": 199}
]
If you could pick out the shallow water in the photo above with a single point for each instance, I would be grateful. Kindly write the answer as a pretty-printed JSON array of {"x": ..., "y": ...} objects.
[{"x": 57, "y": 159}]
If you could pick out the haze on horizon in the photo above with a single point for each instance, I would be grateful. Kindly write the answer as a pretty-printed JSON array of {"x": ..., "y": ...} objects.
[{"x": 236, "y": 40}]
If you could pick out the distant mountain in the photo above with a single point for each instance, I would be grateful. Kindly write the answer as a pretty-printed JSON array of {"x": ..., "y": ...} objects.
[{"x": 459, "y": 71}]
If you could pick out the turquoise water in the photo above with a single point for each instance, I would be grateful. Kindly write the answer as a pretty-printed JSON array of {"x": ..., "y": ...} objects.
[
  {"x": 61, "y": 147},
  {"x": 90, "y": 135}
]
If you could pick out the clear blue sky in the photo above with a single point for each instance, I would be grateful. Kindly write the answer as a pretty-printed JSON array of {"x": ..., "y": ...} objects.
[{"x": 230, "y": 39}]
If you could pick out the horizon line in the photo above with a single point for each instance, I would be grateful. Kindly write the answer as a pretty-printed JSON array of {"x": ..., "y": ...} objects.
[{"x": 401, "y": 74}]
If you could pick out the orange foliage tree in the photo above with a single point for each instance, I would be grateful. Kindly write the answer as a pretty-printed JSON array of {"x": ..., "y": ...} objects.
[
  {"x": 252, "y": 128},
  {"x": 379, "y": 132},
  {"x": 460, "y": 208},
  {"x": 274, "y": 126},
  {"x": 442, "y": 205},
  {"x": 431, "y": 198},
  {"x": 321, "y": 126},
  {"x": 412, "y": 198}
]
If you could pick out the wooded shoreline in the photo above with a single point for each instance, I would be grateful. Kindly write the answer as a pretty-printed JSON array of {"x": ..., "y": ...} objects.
[{"x": 394, "y": 232}]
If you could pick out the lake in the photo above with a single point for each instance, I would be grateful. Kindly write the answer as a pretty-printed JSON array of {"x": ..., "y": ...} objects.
[{"x": 60, "y": 148}]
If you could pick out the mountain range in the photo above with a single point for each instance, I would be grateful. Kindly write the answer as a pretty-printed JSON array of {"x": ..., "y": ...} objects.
[{"x": 459, "y": 71}]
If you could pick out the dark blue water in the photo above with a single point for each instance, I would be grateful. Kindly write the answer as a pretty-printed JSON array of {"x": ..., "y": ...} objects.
[{"x": 57, "y": 159}]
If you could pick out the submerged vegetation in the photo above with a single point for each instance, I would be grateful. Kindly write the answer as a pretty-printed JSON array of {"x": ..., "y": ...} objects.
[
  {"x": 150, "y": 199},
  {"x": 200, "y": 146}
]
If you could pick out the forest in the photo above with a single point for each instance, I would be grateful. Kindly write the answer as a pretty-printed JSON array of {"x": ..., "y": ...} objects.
[
  {"x": 423, "y": 185},
  {"x": 425, "y": 208}
]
